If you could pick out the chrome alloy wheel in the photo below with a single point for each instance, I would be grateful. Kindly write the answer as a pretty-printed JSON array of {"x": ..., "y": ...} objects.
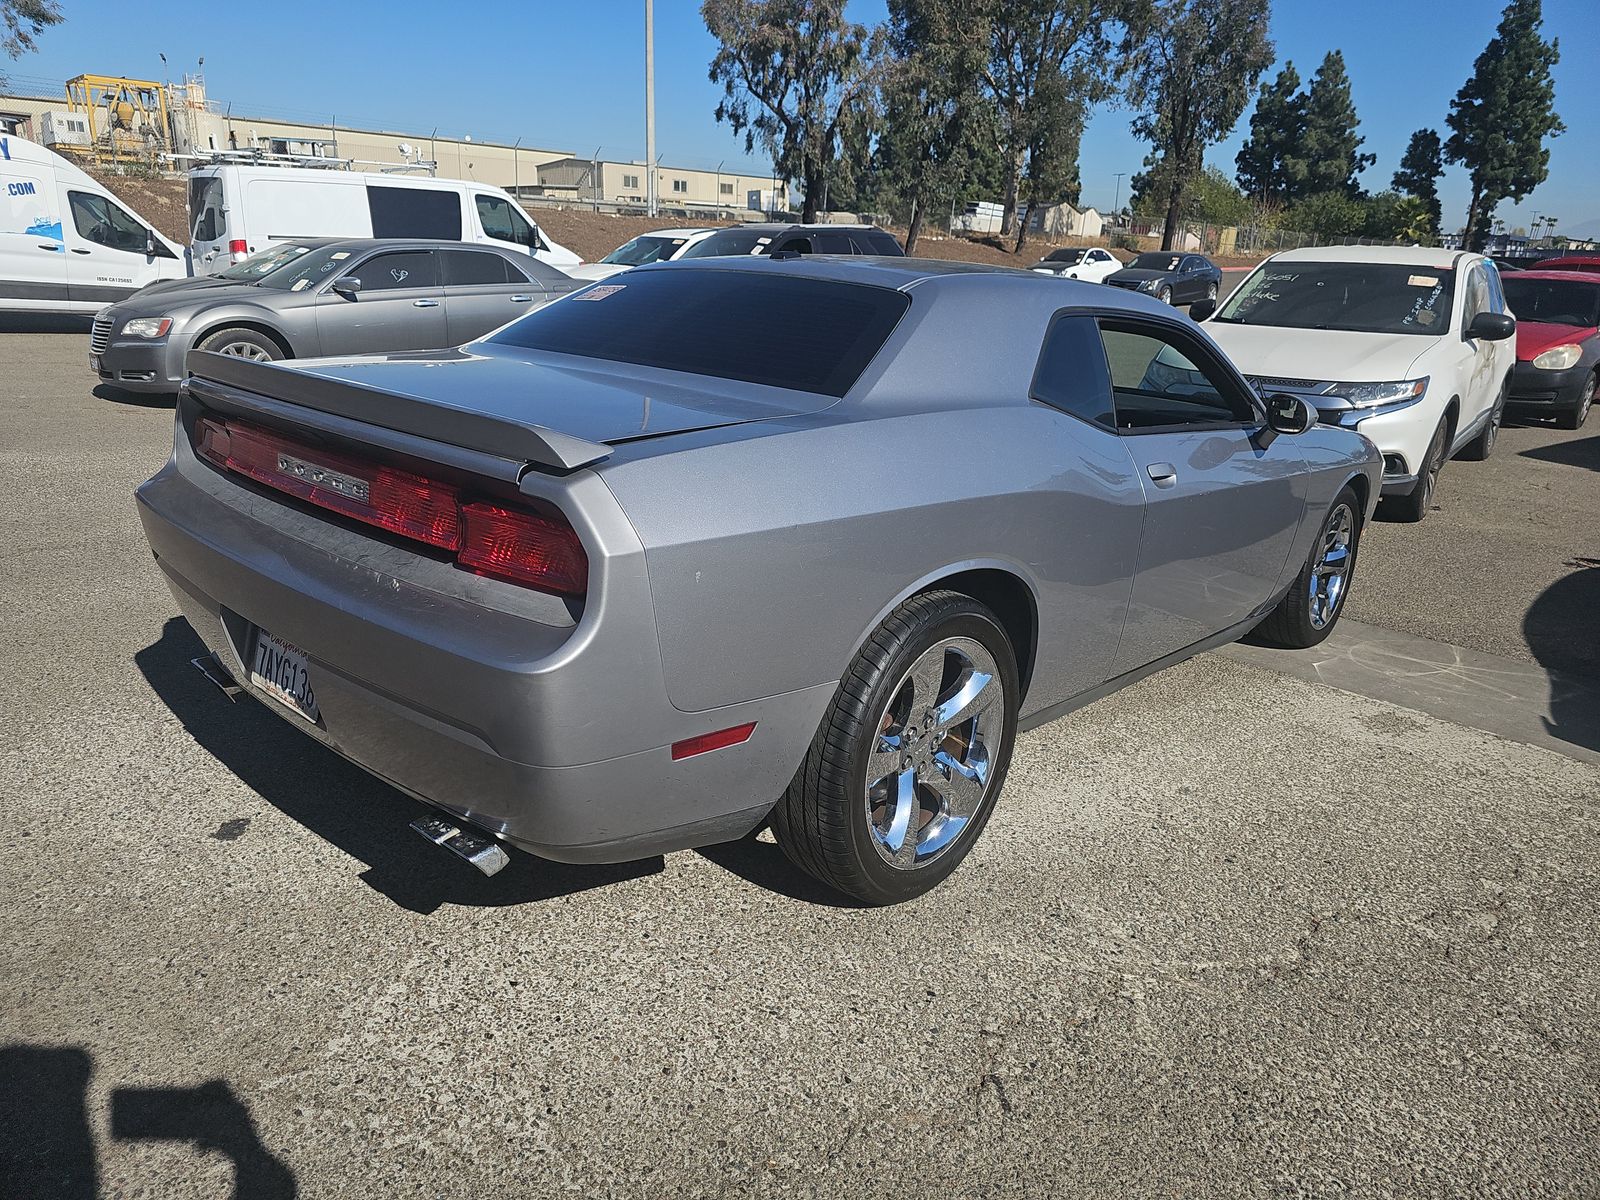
[
  {"x": 1330, "y": 574},
  {"x": 244, "y": 350},
  {"x": 928, "y": 771}
]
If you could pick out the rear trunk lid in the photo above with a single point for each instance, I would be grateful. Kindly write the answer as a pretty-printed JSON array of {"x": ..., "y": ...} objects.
[{"x": 556, "y": 410}]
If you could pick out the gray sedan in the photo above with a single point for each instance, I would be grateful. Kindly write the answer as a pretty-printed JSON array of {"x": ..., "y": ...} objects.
[
  {"x": 736, "y": 541},
  {"x": 355, "y": 296}
]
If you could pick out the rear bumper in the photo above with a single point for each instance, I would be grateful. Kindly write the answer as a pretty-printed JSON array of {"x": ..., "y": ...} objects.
[
  {"x": 1535, "y": 388},
  {"x": 555, "y": 735}
]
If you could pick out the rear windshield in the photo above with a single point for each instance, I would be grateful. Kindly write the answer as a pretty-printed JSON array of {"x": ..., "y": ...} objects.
[
  {"x": 206, "y": 220},
  {"x": 808, "y": 335},
  {"x": 1354, "y": 297},
  {"x": 1553, "y": 301}
]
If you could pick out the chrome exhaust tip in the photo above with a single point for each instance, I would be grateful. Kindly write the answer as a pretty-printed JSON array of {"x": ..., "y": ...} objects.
[
  {"x": 462, "y": 840},
  {"x": 215, "y": 670}
]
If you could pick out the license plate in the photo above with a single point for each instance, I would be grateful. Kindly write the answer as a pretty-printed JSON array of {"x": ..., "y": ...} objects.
[
  {"x": 94, "y": 363},
  {"x": 278, "y": 668}
]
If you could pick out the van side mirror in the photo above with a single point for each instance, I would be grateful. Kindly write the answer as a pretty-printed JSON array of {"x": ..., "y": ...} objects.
[
  {"x": 150, "y": 248},
  {"x": 347, "y": 286},
  {"x": 1289, "y": 414},
  {"x": 1492, "y": 326},
  {"x": 1201, "y": 309}
]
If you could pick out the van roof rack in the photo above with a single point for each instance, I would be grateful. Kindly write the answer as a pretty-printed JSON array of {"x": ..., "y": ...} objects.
[{"x": 255, "y": 156}]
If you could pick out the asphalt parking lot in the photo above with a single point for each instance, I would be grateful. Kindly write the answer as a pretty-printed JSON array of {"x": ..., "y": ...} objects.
[{"x": 1230, "y": 932}]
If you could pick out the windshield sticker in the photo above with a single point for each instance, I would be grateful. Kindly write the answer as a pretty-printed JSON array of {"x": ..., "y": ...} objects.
[
  {"x": 300, "y": 285},
  {"x": 341, "y": 255},
  {"x": 399, "y": 274},
  {"x": 601, "y": 292},
  {"x": 1423, "y": 281},
  {"x": 1422, "y": 312},
  {"x": 328, "y": 266}
]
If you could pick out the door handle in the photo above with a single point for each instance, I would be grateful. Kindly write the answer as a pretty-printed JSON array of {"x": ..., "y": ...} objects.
[
  {"x": 79, "y": 250},
  {"x": 53, "y": 247},
  {"x": 1162, "y": 474},
  {"x": 424, "y": 304},
  {"x": 521, "y": 299}
]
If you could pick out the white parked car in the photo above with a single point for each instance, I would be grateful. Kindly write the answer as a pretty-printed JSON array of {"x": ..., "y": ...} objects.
[
  {"x": 66, "y": 243},
  {"x": 663, "y": 245},
  {"x": 1411, "y": 347},
  {"x": 1093, "y": 264},
  {"x": 236, "y": 210}
]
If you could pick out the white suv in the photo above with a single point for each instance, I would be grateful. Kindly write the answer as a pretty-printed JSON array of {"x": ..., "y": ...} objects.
[{"x": 1409, "y": 346}]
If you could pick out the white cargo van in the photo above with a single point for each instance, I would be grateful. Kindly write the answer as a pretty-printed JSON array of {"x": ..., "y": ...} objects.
[
  {"x": 238, "y": 209},
  {"x": 67, "y": 244}
]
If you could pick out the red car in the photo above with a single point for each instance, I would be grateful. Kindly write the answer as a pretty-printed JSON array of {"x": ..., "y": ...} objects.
[
  {"x": 1570, "y": 262},
  {"x": 1558, "y": 341}
]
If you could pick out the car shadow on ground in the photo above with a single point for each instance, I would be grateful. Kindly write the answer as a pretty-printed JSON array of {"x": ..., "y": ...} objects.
[
  {"x": 341, "y": 803},
  {"x": 1560, "y": 631},
  {"x": 1574, "y": 452},
  {"x": 763, "y": 864},
  {"x": 47, "y": 1141},
  {"x": 104, "y": 391},
  {"x": 46, "y": 323}
]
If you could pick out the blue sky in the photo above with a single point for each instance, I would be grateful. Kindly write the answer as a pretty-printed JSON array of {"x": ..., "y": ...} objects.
[{"x": 570, "y": 76}]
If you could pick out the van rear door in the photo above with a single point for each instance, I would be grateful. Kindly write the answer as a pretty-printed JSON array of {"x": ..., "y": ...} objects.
[
  {"x": 208, "y": 222},
  {"x": 33, "y": 256}
]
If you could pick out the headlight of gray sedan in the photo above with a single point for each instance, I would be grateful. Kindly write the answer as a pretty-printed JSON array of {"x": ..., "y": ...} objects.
[
  {"x": 147, "y": 327},
  {"x": 1371, "y": 395}
]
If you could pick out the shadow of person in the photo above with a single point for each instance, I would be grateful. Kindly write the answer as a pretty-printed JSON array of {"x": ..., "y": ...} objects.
[
  {"x": 46, "y": 1146},
  {"x": 1571, "y": 452},
  {"x": 341, "y": 803},
  {"x": 210, "y": 1117},
  {"x": 1560, "y": 630}
]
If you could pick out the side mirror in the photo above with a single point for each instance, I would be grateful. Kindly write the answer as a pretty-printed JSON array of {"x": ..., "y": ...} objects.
[
  {"x": 1289, "y": 414},
  {"x": 150, "y": 249},
  {"x": 347, "y": 286},
  {"x": 1201, "y": 309},
  {"x": 1492, "y": 327}
]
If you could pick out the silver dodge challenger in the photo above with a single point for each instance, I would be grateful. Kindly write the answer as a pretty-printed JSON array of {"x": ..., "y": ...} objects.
[{"x": 804, "y": 542}]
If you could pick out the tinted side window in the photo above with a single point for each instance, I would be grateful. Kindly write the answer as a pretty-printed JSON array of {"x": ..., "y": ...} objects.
[
  {"x": 833, "y": 243},
  {"x": 1156, "y": 384},
  {"x": 884, "y": 243},
  {"x": 463, "y": 268},
  {"x": 402, "y": 212},
  {"x": 100, "y": 221},
  {"x": 794, "y": 245},
  {"x": 1071, "y": 374},
  {"x": 502, "y": 220},
  {"x": 402, "y": 269}
]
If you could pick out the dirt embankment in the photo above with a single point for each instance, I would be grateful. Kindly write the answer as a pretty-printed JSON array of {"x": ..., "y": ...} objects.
[{"x": 592, "y": 235}]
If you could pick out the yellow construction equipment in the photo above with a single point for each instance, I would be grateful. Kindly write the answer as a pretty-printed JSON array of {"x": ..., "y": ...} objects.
[{"x": 128, "y": 120}]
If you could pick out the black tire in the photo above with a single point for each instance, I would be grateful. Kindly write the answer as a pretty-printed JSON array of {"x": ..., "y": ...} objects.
[
  {"x": 1480, "y": 447},
  {"x": 1414, "y": 507},
  {"x": 824, "y": 823},
  {"x": 1294, "y": 624},
  {"x": 242, "y": 343},
  {"x": 1574, "y": 417}
]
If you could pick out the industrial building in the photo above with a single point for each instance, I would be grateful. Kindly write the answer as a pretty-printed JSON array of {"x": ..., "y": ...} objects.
[{"x": 118, "y": 123}]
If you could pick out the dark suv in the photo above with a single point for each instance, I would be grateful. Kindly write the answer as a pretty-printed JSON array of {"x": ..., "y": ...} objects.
[{"x": 780, "y": 238}]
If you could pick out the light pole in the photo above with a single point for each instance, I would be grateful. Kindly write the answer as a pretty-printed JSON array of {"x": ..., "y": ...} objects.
[
  {"x": 650, "y": 105},
  {"x": 1116, "y": 201}
]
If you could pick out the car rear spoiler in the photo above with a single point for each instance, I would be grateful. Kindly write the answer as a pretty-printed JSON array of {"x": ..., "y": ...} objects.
[{"x": 460, "y": 427}]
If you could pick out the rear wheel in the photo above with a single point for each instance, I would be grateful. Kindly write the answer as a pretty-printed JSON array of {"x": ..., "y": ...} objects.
[
  {"x": 1415, "y": 506},
  {"x": 1480, "y": 447},
  {"x": 1309, "y": 611},
  {"x": 904, "y": 770},
  {"x": 243, "y": 343},
  {"x": 1573, "y": 418}
]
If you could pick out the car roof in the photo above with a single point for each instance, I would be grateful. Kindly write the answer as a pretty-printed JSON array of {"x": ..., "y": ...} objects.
[
  {"x": 356, "y": 245},
  {"x": 1582, "y": 276},
  {"x": 686, "y": 231},
  {"x": 878, "y": 271},
  {"x": 795, "y": 226},
  {"x": 1405, "y": 256}
]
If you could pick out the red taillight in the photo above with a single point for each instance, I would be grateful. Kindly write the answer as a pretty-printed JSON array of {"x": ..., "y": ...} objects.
[
  {"x": 238, "y": 249},
  {"x": 524, "y": 548},
  {"x": 506, "y": 543},
  {"x": 689, "y": 747}
]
